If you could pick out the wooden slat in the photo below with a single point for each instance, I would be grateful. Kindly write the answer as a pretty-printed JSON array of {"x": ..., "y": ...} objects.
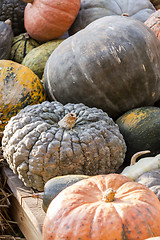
[{"x": 26, "y": 211}]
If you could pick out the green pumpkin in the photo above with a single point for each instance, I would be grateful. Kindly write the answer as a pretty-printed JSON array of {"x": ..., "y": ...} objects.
[
  {"x": 140, "y": 128},
  {"x": 21, "y": 46},
  {"x": 37, "y": 58},
  {"x": 56, "y": 185}
]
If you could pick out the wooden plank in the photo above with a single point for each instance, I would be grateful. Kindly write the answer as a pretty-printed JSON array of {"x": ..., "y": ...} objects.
[{"x": 26, "y": 211}]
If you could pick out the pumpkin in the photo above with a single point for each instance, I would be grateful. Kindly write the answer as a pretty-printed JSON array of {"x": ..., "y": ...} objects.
[
  {"x": 156, "y": 3},
  {"x": 92, "y": 10},
  {"x": 107, "y": 45},
  {"x": 13, "y": 10},
  {"x": 37, "y": 57},
  {"x": 140, "y": 129},
  {"x": 151, "y": 179},
  {"x": 48, "y": 20},
  {"x": 153, "y": 238},
  {"x": 54, "y": 186},
  {"x": 146, "y": 164},
  {"x": 21, "y": 46},
  {"x": 5, "y": 39},
  {"x": 103, "y": 207},
  {"x": 153, "y": 22},
  {"x": 51, "y": 139},
  {"x": 19, "y": 87}
]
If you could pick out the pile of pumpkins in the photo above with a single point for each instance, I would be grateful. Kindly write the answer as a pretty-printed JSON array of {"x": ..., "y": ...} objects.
[{"x": 79, "y": 105}]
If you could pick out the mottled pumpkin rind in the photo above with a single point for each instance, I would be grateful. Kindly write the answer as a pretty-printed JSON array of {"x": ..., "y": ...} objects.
[
  {"x": 19, "y": 87},
  {"x": 141, "y": 131}
]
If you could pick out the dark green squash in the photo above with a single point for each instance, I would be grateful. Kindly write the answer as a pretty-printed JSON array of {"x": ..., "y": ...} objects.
[
  {"x": 140, "y": 128},
  {"x": 108, "y": 65},
  {"x": 21, "y": 46},
  {"x": 56, "y": 185},
  {"x": 13, "y": 10},
  {"x": 92, "y": 10},
  {"x": 5, "y": 39}
]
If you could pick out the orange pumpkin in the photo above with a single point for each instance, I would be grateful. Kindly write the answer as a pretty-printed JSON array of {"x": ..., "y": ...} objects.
[
  {"x": 47, "y": 19},
  {"x": 103, "y": 207},
  {"x": 153, "y": 22}
]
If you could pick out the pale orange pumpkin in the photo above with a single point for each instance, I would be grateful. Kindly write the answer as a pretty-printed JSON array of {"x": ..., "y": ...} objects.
[
  {"x": 103, "y": 207},
  {"x": 46, "y": 20}
]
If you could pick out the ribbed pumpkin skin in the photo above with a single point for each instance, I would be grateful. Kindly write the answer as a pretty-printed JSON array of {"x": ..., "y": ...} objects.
[
  {"x": 102, "y": 64},
  {"x": 153, "y": 22},
  {"x": 21, "y": 46},
  {"x": 19, "y": 87},
  {"x": 46, "y": 20},
  {"x": 13, "y": 10},
  {"x": 37, "y": 58},
  {"x": 38, "y": 149},
  {"x": 140, "y": 128},
  {"x": 79, "y": 212},
  {"x": 91, "y": 10}
]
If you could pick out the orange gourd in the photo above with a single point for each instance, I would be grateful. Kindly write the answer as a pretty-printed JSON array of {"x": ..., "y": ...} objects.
[
  {"x": 103, "y": 207},
  {"x": 47, "y": 19},
  {"x": 153, "y": 22}
]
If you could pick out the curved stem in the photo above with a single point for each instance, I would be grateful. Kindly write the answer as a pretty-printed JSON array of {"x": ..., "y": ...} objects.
[{"x": 136, "y": 155}]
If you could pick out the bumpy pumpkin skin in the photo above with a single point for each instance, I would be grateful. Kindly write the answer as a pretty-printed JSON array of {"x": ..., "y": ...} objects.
[
  {"x": 50, "y": 19},
  {"x": 91, "y": 10},
  {"x": 151, "y": 180},
  {"x": 38, "y": 149},
  {"x": 126, "y": 56},
  {"x": 19, "y": 87},
  {"x": 5, "y": 40},
  {"x": 13, "y": 10},
  {"x": 21, "y": 46},
  {"x": 153, "y": 22},
  {"x": 141, "y": 131},
  {"x": 134, "y": 213},
  {"x": 37, "y": 58}
]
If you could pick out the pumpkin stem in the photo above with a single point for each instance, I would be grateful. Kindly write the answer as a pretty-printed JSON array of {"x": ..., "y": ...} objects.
[
  {"x": 9, "y": 22},
  {"x": 108, "y": 195},
  {"x": 38, "y": 195},
  {"x": 136, "y": 155},
  {"x": 125, "y": 14},
  {"x": 68, "y": 121}
]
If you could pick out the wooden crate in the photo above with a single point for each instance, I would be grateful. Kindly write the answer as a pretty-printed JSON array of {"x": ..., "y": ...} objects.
[{"x": 26, "y": 211}]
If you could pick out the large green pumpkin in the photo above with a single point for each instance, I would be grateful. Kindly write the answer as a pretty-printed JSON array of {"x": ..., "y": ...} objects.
[
  {"x": 91, "y": 10},
  {"x": 113, "y": 64},
  {"x": 140, "y": 128}
]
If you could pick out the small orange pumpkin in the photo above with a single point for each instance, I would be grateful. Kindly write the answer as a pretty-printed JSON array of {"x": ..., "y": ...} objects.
[
  {"x": 103, "y": 207},
  {"x": 153, "y": 22},
  {"x": 46, "y": 20}
]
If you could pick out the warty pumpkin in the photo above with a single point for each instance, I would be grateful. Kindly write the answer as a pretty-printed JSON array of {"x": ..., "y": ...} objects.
[
  {"x": 51, "y": 139},
  {"x": 103, "y": 207},
  {"x": 13, "y": 10},
  {"x": 153, "y": 22},
  {"x": 21, "y": 46},
  {"x": 107, "y": 45},
  {"x": 95, "y": 9},
  {"x": 19, "y": 87},
  {"x": 48, "y": 20},
  {"x": 140, "y": 128}
]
